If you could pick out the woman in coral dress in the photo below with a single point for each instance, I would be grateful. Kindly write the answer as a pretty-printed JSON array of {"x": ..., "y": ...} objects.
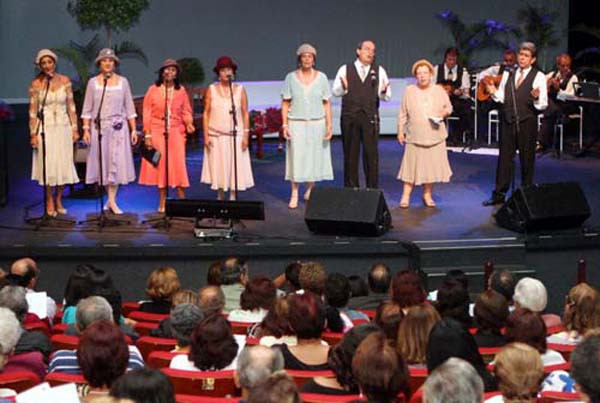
[
  {"x": 218, "y": 165},
  {"x": 167, "y": 91}
]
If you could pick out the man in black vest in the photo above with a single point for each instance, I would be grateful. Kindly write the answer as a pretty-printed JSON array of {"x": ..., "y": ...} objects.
[
  {"x": 523, "y": 95},
  {"x": 361, "y": 85}
]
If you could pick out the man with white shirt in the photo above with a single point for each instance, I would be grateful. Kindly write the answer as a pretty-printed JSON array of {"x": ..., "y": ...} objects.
[
  {"x": 523, "y": 95},
  {"x": 361, "y": 85}
]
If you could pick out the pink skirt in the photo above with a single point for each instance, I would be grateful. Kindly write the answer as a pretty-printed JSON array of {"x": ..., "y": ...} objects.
[{"x": 425, "y": 164}]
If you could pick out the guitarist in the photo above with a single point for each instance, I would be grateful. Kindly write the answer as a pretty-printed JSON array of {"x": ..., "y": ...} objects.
[{"x": 455, "y": 79}]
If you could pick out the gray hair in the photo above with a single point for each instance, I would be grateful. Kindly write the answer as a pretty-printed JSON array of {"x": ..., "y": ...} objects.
[
  {"x": 455, "y": 381},
  {"x": 184, "y": 319},
  {"x": 10, "y": 331},
  {"x": 91, "y": 309},
  {"x": 530, "y": 46},
  {"x": 531, "y": 293},
  {"x": 211, "y": 299},
  {"x": 257, "y": 363},
  {"x": 14, "y": 298}
]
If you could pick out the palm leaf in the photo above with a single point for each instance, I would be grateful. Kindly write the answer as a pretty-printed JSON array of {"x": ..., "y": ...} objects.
[
  {"x": 131, "y": 50},
  {"x": 586, "y": 29}
]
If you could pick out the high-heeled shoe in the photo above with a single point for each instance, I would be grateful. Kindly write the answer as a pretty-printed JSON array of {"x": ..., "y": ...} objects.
[
  {"x": 52, "y": 213},
  {"x": 404, "y": 204},
  {"x": 293, "y": 202},
  {"x": 307, "y": 194},
  {"x": 428, "y": 203},
  {"x": 61, "y": 211},
  {"x": 161, "y": 209},
  {"x": 113, "y": 208}
]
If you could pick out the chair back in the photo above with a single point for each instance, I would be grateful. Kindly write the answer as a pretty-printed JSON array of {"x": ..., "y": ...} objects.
[
  {"x": 19, "y": 380},
  {"x": 145, "y": 328},
  {"x": 301, "y": 377},
  {"x": 417, "y": 378},
  {"x": 128, "y": 307},
  {"x": 320, "y": 398},
  {"x": 551, "y": 397},
  {"x": 206, "y": 383},
  {"x": 147, "y": 317},
  {"x": 332, "y": 338},
  {"x": 205, "y": 399},
  {"x": 489, "y": 353},
  {"x": 160, "y": 359},
  {"x": 148, "y": 344},
  {"x": 64, "y": 342},
  {"x": 59, "y": 328},
  {"x": 60, "y": 378},
  {"x": 240, "y": 327},
  {"x": 564, "y": 349},
  {"x": 38, "y": 326}
]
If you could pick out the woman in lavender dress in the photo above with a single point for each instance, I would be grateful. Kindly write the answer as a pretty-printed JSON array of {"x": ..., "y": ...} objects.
[{"x": 117, "y": 124}]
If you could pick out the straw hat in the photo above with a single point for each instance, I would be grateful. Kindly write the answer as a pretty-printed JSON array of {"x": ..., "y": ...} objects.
[
  {"x": 170, "y": 63},
  {"x": 43, "y": 53},
  {"x": 306, "y": 48},
  {"x": 422, "y": 62},
  {"x": 107, "y": 53}
]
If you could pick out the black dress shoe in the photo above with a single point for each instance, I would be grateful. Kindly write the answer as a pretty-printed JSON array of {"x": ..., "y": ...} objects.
[{"x": 495, "y": 199}]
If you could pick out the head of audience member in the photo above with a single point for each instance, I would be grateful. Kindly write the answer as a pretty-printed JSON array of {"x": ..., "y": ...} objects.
[
  {"x": 162, "y": 284},
  {"x": 211, "y": 300},
  {"x": 519, "y": 371},
  {"x": 10, "y": 333},
  {"x": 503, "y": 281},
  {"x": 212, "y": 346},
  {"x": 365, "y": 51},
  {"x": 14, "y": 298},
  {"x": 509, "y": 57},
  {"x": 413, "y": 333},
  {"x": 491, "y": 311},
  {"x": 454, "y": 381},
  {"x": 527, "y": 327},
  {"x": 563, "y": 64},
  {"x": 292, "y": 275},
  {"x": 234, "y": 271},
  {"x": 340, "y": 356},
  {"x": 256, "y": 364},
  {"x": 449, "y": 338},
  {"x": 379, "y": 370},
  {"x": 380, "y": 278},
  {"x": 531, "y": 294},
  {"x": 451, "y": 57},
  {"x": 358, "y": 286},
  {"x": 312, "y": 277},
  {"x": 388, "y": 317},
  {"x": 90, "y": 310},
  {"x": 337, "y": 290},
  {"x": 276, "y": 323},
  {"x": 453, "y": 302},
  {"x": 259, "y": 293},
  {"x": 184, "y": 297},
  {"x": 582, "y": 309},
  {"x": 27, "y": 269},
  {"x": 145, "y": 384},
  {"x": 79, "y": 284},
  {"x": 585, "y": 368},
  {"x": 277, "y": 388},
  {"x": 114, "y": 299},
  {"x": 184, "y": 319},
  {"x": 213, "y": 276},
  {"x": 407, "y": 289},
  {"x": 102, "y": 353},
  {"x": 306, "y": 315}
]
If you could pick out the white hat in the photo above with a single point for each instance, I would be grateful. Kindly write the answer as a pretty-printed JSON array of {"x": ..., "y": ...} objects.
[
  {"x": 306, "y": 48},
  {"x": 107, "y": 53},
  {"x": 43, "y": 53}
]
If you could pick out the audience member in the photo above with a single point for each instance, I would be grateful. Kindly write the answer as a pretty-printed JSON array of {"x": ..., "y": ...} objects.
[
  {"x": 144, "y": 385},
  {"x": 85, "y": 280},
  {"x": 585, "y": 368},
  {"x": 503, "y": 281},
  {"x": 381, "y": 373},
  {"x": 162, "y": 284},
  {"x": 451, "y": 275},
  {"x": 211, "y": 300},
  {"x": 164, "y": 329},
  {"x": 531, "y": 294},
  {"x": 292, "y": 276},
  {"x": 234, "y": 276},
  {"x": 312, "y": 277},
  {"x": 407, "y": 289},
  {"x": 453, "y": 302},
  {"x": 388, "y": 317},
  {"x": 581, "y": 313},
  {"x": 519, "y": 371},
  {"x": 358, "y": 286},
  {"x": 27, "y": 268},
  {"x": 213, "y": 276},
  {"x": 491, "y": 312},
  {"x": 255, "y": 365},
  {"x": 454, "y": 381},
  {"x": 113, "y": 297},
  {"x": 337, "y": 295},
  {"x": 278, "y": 388},
  {"x": 413, "y": 333},
  {"x": 379, "y": 279},
  {"x": 255, "y": 301},
  {"x": 275, "y": 328},
  {"x": 184, "y": 320},
  {"x": 95, "y": 308}
]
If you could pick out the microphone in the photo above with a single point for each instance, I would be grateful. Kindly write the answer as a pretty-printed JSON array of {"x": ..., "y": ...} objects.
[
  {"x": 373, "y": 77},
  {"x": 229, "y": 77},
  {"x": 49, "y": 76},
  {"x": 107, "y": 76}
]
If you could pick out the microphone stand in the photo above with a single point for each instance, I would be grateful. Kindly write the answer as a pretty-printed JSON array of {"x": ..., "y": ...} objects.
[
  {"x": 233, "y": 113},
  {"x": 517, "y": 127},
  {"x": 102, "y": 220},
  {"x": 45, "y": 219}
]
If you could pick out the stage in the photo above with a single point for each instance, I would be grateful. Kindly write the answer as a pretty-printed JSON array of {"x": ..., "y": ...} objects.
[{"x": 459, "y": 233}]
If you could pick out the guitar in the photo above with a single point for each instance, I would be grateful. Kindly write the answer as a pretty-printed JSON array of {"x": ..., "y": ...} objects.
[
  {"x": 448, "y": 86},
  {"x": 482, "y": 92}
]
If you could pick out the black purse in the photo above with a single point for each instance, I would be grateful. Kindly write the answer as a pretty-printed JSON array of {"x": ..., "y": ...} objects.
[{"x": 150, "y": 154}]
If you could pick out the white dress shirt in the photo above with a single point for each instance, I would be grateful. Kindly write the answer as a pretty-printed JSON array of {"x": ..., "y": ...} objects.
[
  {"x": 363, "y": 70},
  {"x": 538, "y": 82},
  {"x": 570, "y": 90},
  {"x": 451, "y": 74}
]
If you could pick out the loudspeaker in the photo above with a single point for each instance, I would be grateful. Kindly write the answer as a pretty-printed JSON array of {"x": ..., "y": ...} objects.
[
  {"x": 549, "y": 206},
  {"x": 347, "y": 211}
]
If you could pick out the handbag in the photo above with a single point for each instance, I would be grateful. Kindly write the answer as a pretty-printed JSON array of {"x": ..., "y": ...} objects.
[{"x": 150, "y": 154}]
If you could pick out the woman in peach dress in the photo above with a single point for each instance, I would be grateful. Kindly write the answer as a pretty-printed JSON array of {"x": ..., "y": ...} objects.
[{"x": 167, "y": 91}]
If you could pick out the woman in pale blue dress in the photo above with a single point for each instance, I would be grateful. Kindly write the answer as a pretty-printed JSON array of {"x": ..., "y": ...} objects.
[{"x": 306, "y": 117}]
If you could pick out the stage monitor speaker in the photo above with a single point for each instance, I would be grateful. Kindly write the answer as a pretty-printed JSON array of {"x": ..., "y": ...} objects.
[
  {"x": 347, "y": 211},
  {"x": 550, "y": 206},
  {"x": 229, "y": 210}
]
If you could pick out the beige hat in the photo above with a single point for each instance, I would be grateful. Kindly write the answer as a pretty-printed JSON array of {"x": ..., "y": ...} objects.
[
  {"x": 306, "y": 48},
  {"x": 43, "y": 53},
  {"x": 107, "y": 53},
  {"x": 422, "y": 62}
]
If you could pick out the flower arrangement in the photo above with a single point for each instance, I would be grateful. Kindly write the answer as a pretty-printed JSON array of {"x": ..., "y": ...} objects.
[
  {"x": 7, "y": 114},
  {"x": 267, "y": 121}
]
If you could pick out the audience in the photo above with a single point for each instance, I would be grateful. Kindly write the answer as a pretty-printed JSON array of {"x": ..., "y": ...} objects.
[
  {"x": 491, "y": 312},
  {"x": 144, "y": 385},
  {"x": 585, "y": 368},
  {"x": 184, "y": 320},
  {"x": 413, "y": 333},
  {"x": 85, "y": 280},
  {"x": 234, "y": 276},
  {"x": 337, "y": 294},
  {"x": 531, "y": 294},
  {"x": 162, "y": 284},
  {"x": 213, "y": 275},
  {"x": 388, "y": 317},
  {"x": 378, "y": 279},
  {"x": 407, "y": 289},
  {"x": 453, "y": 302},
  {"x": 451, "y": 275},
  {"x": 519, "y": 371},
  {"x": 503, "y": 281},
  {"x": 275, "y": 328},
  {"x": 454, "y": 381},
  {"x": 255, "y": 365},
  {"x": 27, "y": 268},
  {"x": 292, "y": 276},
  {"x": 312, "y": 277},
  {"x": 358, "y": 286},
  {"x": 255, "y": 301},
  {"x": 211, "y": 300},
  {"x": 278, "y": 388},
  {"x": 164, "y": 329},
  {"x": 581, "y": 313}
]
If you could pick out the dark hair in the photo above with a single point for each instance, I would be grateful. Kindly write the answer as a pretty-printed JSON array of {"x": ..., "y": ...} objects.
[
  {"x": 358, "y": 286},
  {"x": 306, "y": 315},
  {"x": 260, "y": 292},
  {"x": 340, "y": 357},
  {"x": 84, "y": 281},
  {"x": 213, "y": 346},
  {"x": 337, "y": 290},
  {"x": 458, "y": 275},
  {"x": 585, "y": 366},
  {"x": 504, "y": 282},
  {"x": 407, "y": 289},
  {"x": 232, "y": 270},
  {"x": 526, "y": 327},
  {"x": 114, "y": 299},
  {"x": 213, "y": 276},
  {"x": 279, "y": 387},
  {"x": 453, "y": 301},
  {"x": 388, "y": 317},
  {"x": 102, "y": 354},
  {"x": 292, "y": 273},
  {"x": 276, "y": 323},
  {"x": 145, "y": 385},
  {"x": 491, "y": 311},
  {"x": 379, "y": 278},
  {"x": 451, "y": 51},
  {"x": 160, "y": 80}
]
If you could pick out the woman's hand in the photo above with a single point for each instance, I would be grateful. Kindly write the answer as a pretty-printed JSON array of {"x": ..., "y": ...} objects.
[
  {"x": 190, "y": 128},
  {"x": 86, "y": 136},
  {"x": 33, "y": 140},
  {"x": 286, "y": 133},
  {"x": 75, "y": 135},
  {"x": 208, "y": 142},
  {"x": 401, "y": 138},
  {"x": 244, "y": 143},
  {"x": 148, "y": 142},
  {"x": 134, "y": 137},
  {"x": 328, "y": 133}
]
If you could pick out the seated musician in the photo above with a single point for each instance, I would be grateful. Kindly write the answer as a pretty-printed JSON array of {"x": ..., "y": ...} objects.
[
  {"x": 560, "y": 82},
  {"x": 455, "y": 78},
  {"x": 485, "y": 101}
]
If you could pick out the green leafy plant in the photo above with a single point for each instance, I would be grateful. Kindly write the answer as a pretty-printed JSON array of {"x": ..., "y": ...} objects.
[
  {"x": 590, "y": 54},
  {"x": 537, "y": 25},
  {"x": 192, "y": 71}
]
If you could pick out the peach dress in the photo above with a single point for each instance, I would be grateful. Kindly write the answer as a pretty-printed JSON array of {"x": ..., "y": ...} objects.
[{"x": 180, "y": 113}]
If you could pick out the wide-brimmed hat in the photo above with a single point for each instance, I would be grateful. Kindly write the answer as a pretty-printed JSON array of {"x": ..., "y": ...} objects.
[
  {"x": 170, "y": 63},
  {"x": 224, "y": 61},
  {"x": 306, "y": 48},
  {"x": 422, "y": 62},
  {"x": 107, "y": 53},
  {"x": 43, "y": 53}
]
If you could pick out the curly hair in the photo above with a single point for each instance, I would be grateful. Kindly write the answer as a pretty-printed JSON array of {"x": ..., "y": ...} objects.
[
  {"x": 276, "y": 323},
  {"x": 213, "y": 346},
  {"x": 407, "y": 289},
  {"x": 162, "y": 284},
  {"x": 519, "y": 370},
  {"x": 312, "y": 277},
  {"x": 526, "y": 327},
  {"x": 260, "y": 292},
  {"x": 582, "y": 309}
]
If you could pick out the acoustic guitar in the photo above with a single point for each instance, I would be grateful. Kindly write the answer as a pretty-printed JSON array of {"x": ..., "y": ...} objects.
[{"x": 482, "y": 92}]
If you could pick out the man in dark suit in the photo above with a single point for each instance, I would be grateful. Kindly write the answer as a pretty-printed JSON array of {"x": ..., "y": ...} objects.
[{"x": 379, "y": 281}]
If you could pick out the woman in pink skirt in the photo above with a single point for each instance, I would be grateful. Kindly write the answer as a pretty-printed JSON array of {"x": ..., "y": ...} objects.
[
  {"x": 218, "y": 163},
  {"x": 422, "y": 129}
]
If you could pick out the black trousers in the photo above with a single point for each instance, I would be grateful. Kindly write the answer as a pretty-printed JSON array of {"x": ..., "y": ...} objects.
[
  {"x": 360, "y": 129},
  {"x": 462, "y": 109},
  {"x": 510, "y": 142},
  {"x": 556, "y": 110}
]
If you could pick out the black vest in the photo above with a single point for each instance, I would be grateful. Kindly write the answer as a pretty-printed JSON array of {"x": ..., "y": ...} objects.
[
  {"x": 361, "y": 96},
  {"x": 456, "y": 82},
  {"x": 523, "y": 98},
  {"x": 562, "y": 84}
]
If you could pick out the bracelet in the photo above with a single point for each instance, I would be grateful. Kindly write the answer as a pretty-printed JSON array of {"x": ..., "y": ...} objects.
[
  {"x": 147, "y": 136},
  {"x": 284, "y": 126},
  {"x": 246, "y": 130},
  {"x": 85, "y": 127}
]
